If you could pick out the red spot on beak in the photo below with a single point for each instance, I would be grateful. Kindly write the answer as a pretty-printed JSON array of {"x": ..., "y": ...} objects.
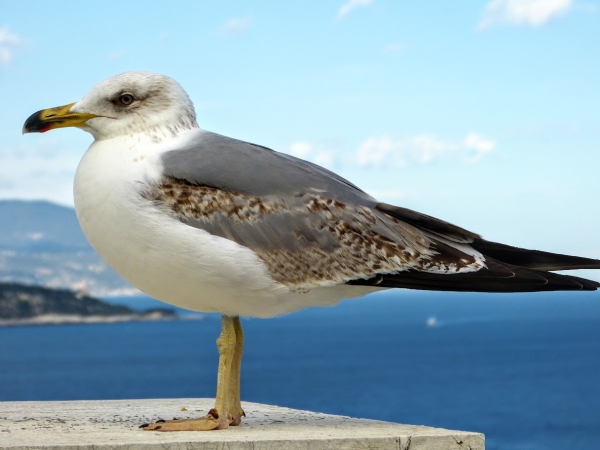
[{"x": 43, "y": 130}]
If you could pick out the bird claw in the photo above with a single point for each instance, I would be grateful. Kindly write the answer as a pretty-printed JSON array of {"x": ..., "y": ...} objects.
[{"x": 236, "y": 418}]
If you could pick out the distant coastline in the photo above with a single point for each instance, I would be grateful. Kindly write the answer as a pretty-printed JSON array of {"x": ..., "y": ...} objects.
[
  {"x": 61, "y": 319},
  {"x": 36, "y": 305}
]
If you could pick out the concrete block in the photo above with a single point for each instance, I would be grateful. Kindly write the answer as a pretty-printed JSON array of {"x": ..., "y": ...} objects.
[{"x": 113, "y": 424}]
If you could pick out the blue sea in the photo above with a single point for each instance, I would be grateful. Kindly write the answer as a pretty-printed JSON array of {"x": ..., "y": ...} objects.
[{"x": 524, "y": 368}]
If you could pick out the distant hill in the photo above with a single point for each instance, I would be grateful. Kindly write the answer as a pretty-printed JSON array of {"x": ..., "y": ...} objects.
[
  {"x": 40, "y": 226},
  {"x": 20, "y": 304},
  {"x": 41, "y": 243}
]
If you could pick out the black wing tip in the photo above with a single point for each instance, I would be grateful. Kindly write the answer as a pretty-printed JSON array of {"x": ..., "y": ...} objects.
[
  {"x": 492, "y": 279},
  {"x": 533, "y": 259}
]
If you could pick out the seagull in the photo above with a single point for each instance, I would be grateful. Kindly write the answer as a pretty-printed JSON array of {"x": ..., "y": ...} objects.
[{"x": 215, "y": 224}]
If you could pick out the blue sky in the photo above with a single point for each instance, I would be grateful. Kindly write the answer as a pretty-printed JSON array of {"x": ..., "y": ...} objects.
[{"x": 483, "y": 113}]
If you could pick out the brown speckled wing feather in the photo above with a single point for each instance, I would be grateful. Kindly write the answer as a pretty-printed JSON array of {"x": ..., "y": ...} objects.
[{"x": 309, "y": 240}]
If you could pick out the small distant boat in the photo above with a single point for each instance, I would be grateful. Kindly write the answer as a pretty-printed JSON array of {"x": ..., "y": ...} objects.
[{"x": 432, "y": 322}]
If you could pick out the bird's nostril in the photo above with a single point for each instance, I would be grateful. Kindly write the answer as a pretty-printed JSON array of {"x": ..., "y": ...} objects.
[{"x": 50, "y": 115}]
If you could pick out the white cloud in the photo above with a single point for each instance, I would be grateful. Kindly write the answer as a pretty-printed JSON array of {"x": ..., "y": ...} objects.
[
  {"x": 305, "y": 150},
  {"x": 324, "y": 159},
  {"x": 378, "y": 152},
  {"x": 374, "y": 151},
  {"x": 522, "y": 12},
  {"x": 234, "y": 27},
  {"x": 301, "y": 149},
  {"x": 8, "y": 42},
  {"x": 478, "y": 147},
  {"x": 350, "y": 5},
  {"x": 421, "y": 149}
]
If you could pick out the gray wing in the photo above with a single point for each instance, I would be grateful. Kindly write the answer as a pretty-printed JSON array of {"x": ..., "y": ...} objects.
[
  {"x": 233, "y": 165},
  {"x": 310, "y": 226},
  {"x": 229, "y": 164}
]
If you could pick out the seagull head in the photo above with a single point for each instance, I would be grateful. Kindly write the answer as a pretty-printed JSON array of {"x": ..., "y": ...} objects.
[{"x": 126, "y": 104}]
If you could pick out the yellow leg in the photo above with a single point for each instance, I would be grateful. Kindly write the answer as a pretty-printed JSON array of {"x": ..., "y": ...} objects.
[
  {"x": 235, "y": 407},
  {"x": 228, "y": 409},
  {"x": 226, "y": 346}
]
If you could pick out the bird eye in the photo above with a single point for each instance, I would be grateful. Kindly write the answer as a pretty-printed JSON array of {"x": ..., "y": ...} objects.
[{"x": 126, "y": 99}]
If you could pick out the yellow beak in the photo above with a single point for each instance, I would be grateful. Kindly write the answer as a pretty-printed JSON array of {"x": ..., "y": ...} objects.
[{"x": 59, "y": 117}]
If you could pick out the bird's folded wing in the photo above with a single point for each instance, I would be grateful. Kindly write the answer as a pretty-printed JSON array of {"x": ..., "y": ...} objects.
[{"x": 310, "y": 226}]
